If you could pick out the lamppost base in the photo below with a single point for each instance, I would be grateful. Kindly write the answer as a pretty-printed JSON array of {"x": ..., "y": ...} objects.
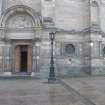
[{"x": 52, "y": 80}]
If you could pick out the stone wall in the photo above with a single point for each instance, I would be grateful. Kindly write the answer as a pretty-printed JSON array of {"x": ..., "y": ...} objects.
[
  {"x": 72, "y": 14},
  {"x": 35, "y": 4},
  {"x": 79, "y": 23}
]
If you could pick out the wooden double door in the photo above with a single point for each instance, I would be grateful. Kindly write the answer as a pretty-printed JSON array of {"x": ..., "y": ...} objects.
[{"x": 23, "y": 58}]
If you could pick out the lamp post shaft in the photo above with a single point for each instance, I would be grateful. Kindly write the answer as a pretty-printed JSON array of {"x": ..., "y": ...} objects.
[{"x": 52, "y": 68}]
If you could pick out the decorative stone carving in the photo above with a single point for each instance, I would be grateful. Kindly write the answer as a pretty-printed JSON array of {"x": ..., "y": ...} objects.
[{"x": 20, "y": 21}]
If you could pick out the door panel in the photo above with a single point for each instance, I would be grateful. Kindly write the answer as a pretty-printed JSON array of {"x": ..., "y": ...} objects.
[
  {"x": 29, "y": 59},
  {"x": 22, "y": 63}
]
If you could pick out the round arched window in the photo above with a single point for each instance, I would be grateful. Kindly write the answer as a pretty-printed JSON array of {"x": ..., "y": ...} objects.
[{"x": 69, "y": 49}]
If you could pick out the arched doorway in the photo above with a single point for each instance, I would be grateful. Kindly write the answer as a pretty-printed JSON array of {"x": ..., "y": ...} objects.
[
  {"x": 21, "y": 23},
  {"x": 23, "y": 58}
]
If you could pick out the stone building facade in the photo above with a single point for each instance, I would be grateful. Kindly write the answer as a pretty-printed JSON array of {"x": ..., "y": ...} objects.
[{"x": 79, "y": 45}]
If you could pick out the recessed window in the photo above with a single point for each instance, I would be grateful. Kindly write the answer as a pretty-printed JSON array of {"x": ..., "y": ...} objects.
[{"x": 70, "y": 49}]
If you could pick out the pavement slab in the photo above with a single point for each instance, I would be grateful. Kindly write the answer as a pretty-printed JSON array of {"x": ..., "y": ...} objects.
[
  {"x": 92, "y": 88},
  {"x": 37, "y": 92}
]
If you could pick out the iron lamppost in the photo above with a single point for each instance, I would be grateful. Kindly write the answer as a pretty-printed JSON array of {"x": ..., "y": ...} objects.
[{"x": 52, "y": 68}]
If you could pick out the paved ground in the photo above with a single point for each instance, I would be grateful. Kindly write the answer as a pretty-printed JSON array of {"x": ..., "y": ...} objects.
[
  {"x": 93, "y": 88},
  {"x": 38, "y": 92}
]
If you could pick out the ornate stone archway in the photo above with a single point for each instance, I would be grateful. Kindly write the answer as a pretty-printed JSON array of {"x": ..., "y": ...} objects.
[
  {"x": 20, "y": 23},
  {"x": 20, "y": 9}
]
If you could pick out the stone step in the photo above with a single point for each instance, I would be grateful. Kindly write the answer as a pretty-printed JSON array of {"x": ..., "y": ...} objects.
[{"x": 19, "y": 77}]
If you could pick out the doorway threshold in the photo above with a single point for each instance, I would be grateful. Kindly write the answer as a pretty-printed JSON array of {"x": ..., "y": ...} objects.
[{"x": 21, "y": 74}]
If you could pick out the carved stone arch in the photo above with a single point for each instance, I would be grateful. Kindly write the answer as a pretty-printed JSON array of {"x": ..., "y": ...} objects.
[{"x": 20, "y": 9}]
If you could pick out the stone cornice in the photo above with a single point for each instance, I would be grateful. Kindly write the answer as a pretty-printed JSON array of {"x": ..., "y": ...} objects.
[
  {"x": 88, "y": 30},
  {"x": 73, "y": 31},
  {"x": 84, "y": 31},
  {"x": 21, "y": 29}
]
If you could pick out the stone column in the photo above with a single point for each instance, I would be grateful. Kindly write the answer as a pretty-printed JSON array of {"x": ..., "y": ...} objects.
[
  {"x": 34, "y": 60},
  {"x": 17, "y": 59}
]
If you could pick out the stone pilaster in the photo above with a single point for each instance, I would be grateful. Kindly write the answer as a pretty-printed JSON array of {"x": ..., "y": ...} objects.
[
  {"x": 95, "y": 49},
  {"x": 34, "y": 59},
  {"x": 6, "y": 58},
  {"x": 17, "y": 59}
]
